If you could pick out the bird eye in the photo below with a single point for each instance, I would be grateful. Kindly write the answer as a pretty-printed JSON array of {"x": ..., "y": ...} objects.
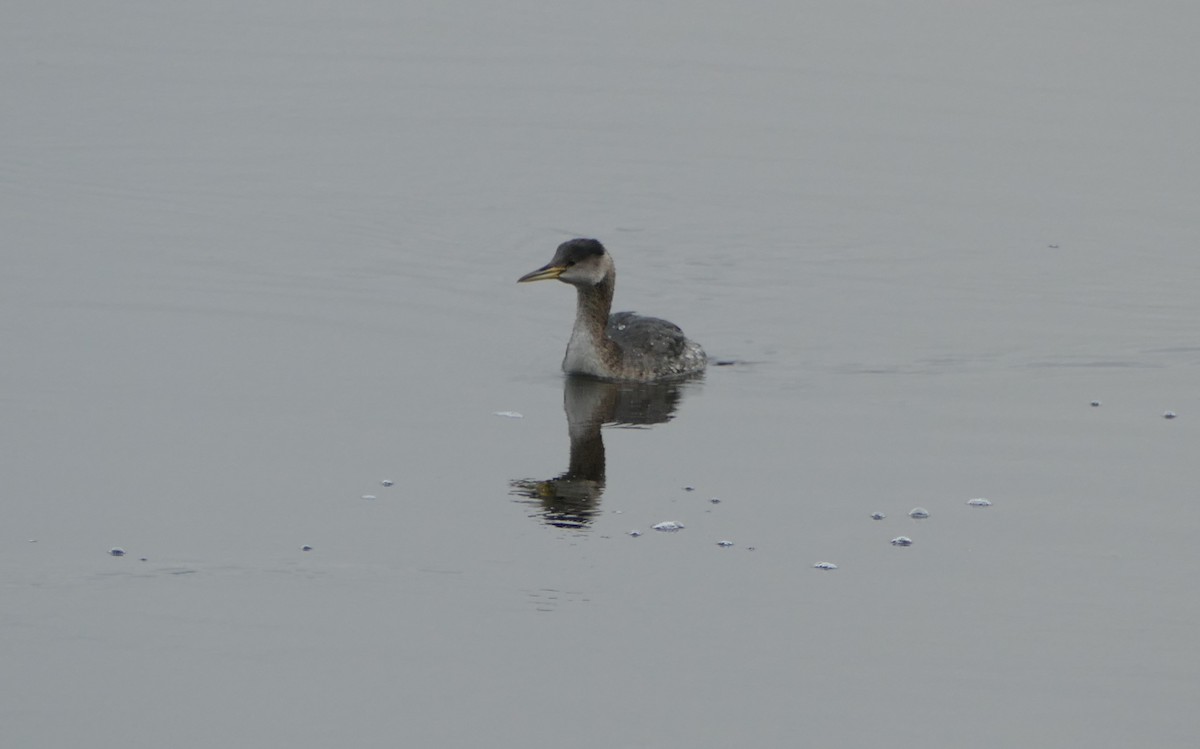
[{"x": 570, "y": 263}]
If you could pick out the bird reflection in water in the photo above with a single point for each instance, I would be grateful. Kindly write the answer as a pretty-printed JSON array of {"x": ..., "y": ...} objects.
[{"x": 571, "y": 500}]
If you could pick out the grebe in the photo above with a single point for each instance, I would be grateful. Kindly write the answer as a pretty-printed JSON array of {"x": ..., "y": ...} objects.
[{"x": 621, "y": 346}]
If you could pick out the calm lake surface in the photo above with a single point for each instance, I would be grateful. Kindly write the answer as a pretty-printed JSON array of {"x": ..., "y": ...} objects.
[{"x": 261, "y": 257}]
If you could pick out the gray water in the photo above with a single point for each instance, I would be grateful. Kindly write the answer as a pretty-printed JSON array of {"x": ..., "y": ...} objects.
[{"x": 260, "y": 257}]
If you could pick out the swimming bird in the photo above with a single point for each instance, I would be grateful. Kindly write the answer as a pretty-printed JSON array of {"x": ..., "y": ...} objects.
[{"x": 620, "y": 346}]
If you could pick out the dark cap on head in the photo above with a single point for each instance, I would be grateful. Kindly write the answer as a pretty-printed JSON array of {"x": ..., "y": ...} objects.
[{"x": 578, "y": 249}]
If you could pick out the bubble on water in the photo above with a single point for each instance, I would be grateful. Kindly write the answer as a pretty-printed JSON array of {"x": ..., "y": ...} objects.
[
  {"x": 689, "y": 488},
  {"x": 979, "y": 502},
  {"x": 305, "y": 547},
  {"x": 1095, "y": 404},
  {"x": 715, "y": 500},
  {"x": 117, "y": 551},
  {"x": 508, "y": 414},
  {"x": 143, "y": 559},
  {"x": 825, "y": 566},
  {"x": 901, "y": 541},
  {"x": 1169, "y": 415},
  {"x": 621, "y": 326},
  {"x": 635, "y": 534},
  {"x": 668, "y": 526},
  {"x": 724, "y": 544},
  {"x": 877, "y": 516},
  {"x": 368, "y": 496},
  {"x": 918, "y": 513},
  {"x": 387, "y": 482}
]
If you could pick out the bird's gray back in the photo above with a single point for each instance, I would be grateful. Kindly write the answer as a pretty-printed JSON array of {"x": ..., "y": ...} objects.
[{"x": 653, "y": 344}]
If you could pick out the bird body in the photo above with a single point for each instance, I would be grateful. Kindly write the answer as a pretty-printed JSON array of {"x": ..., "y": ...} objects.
[{"x": 617, "y": 346}]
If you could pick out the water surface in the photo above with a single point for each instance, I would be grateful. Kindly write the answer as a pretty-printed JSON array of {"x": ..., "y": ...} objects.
[{"x": 260, "y": 258}]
